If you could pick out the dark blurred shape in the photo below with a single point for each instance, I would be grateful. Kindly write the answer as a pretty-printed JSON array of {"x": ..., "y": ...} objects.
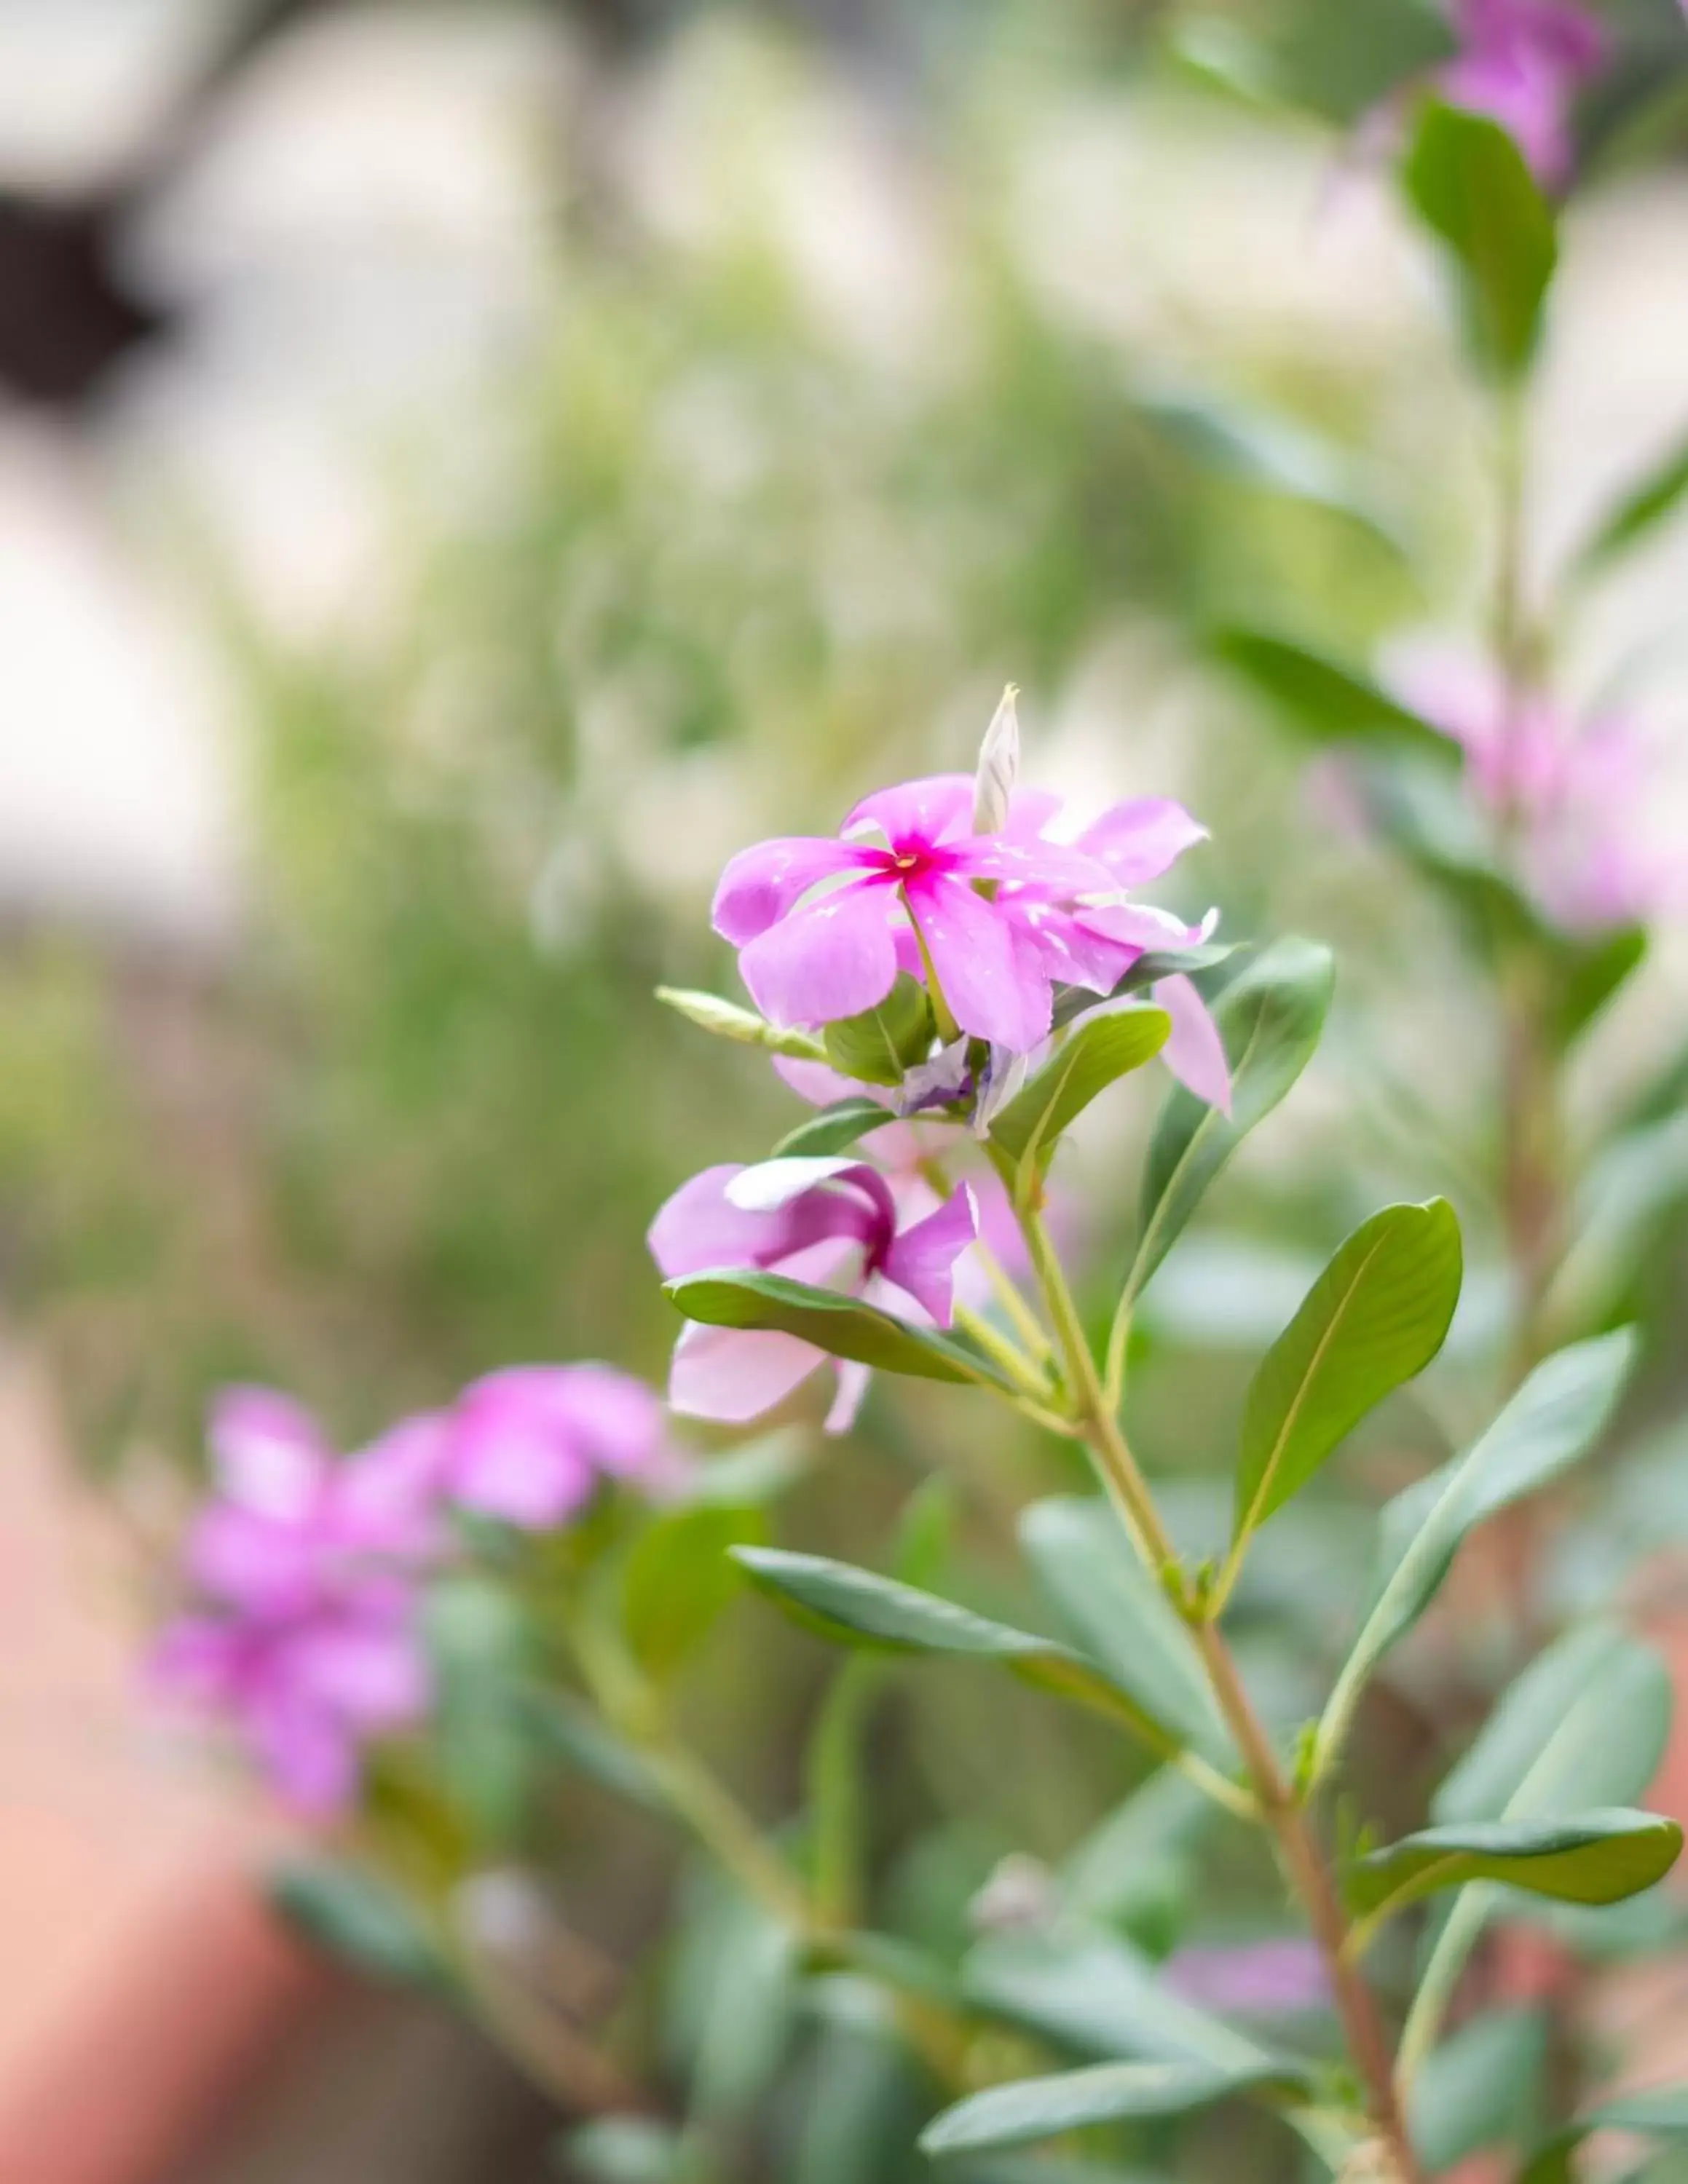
[{"x": 67, "y": 311}]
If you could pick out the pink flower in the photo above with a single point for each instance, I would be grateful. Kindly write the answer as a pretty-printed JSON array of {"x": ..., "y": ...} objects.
[
  {"x": 828, "y": 1223},
  {"x": 1522, "y": 62},
  {"x": 304, "y": 1637},
  {"x": 1279, "y": 1978},
  {"x": 824, "y": 926},
  {"x": 1573, "y": 794},
  {"x": 530, "y": 1444}
]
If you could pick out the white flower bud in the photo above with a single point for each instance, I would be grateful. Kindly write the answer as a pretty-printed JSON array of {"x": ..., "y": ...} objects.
[{"x": 998, "y": 767}]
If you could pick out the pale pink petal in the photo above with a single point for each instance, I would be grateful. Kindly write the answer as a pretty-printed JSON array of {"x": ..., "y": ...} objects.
[
  {"x": 386, "y": 1498},
  {"x": 832, "y": 958},
  {"x": 1194, "y": 1052},
  {"x": 1031, "y": 811},
  {"x": 248, "y": 1563},
  {"x": 918, "y": 812},
  {"x": 310, "y": 1757},
  {"x": 822, "y": 1086},
  {"x": 993, "y": 991},
  {"x": 1069, "y": 947},
  {"x": 853, "y": 1385},
  {"x": 617, "y": 1420},
  {"x": 732, "y": 1374},
  {"x": 511, "y": 1457},
  {"x": 921, "y": 1260},
  {"x": 1054, "y": 871},
  {"x": 1140, "y": 839},
  {"x": 761, "y": 883},
  {"x": 270, "y": 1453},
  {"x": 1140, "y": 926},
  {"x": 772, "y": 1186},
  {"x": 373, "y": 1676},
  {"x": 698, "y": 1227}
]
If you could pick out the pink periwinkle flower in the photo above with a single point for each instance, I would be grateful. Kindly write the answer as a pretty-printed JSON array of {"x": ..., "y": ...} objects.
[
  {"x": 1522, "y": 63},
  {"x": 830, "y": 1222},
  {"x": 1575, "y": 794},
  {"x": 304, "y": 1636},
  {"x": 530, "y": 1444}
]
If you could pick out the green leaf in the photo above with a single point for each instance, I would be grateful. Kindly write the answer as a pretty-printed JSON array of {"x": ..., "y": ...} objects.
[
  {"x": 1590, "y": 975},
  {"x": 1325, "y": 701},
  {"x": 1472, "y": 186},
  {"x": 1101, "y": 1048},
  {"x": 1480, "y": 2089},
  {"x": 1588, "y": 1720},
  {"x": 1376, "y": 1317},
  {"x": 477, "y": 1644},
  {"x": 1645, "y": 506},
  {"x": 859, "y": 1608},
  {"x": 1113, "y": 1607},
  {"x": 1269, "y": 1019},
  {"x": 680, "y": 1577},
  {"x": 631, "y": 2150},
  {"x": 843, "y": 1327},
  {"x": 881, "y": 1044},
  {"x": 1106, "y": 2092},
  {"x": 574, "y": 1735},
  {"x": 727, "y": 1020},
  {"x": 1597, "y": 1857},
  {"x": 360, "y": 1919},
  {"x": 833, "y": 1129},
  {"x": 1556, "y": 1418},
  {"x": 1661, "y": 2112}
]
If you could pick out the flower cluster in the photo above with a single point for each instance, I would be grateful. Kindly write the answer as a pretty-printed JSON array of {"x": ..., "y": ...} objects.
[
  {"x": 1004, "y": 910},
  {"x": 307, "y": 1568}
]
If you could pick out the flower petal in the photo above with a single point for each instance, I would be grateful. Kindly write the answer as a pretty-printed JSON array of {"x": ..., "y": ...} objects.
[
  {"x": 832, "y": 958},
  {"x": 994, "y": 990},
  {"x": 763, "y": 883},
  {"x": 1194, "y": 1052},
  {"x": 733, "y": 1374},
  {"x": 270, "y": 1454},
  {"x": 853, "y": 1385},
  {"x": 921, "y": 1260},
  {"x": 1141, "y": 839},
  {"x": 918, "y": 813}
]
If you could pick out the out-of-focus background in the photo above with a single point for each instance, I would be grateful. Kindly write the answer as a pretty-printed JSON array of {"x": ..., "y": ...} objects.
[{"x": 467, "y": 468}]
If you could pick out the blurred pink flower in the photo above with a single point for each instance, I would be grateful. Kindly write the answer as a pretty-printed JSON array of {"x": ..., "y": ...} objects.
[
  {"x": 1576, "y": 792},
  {"x": 832, "y": 1223},
  {"x": 1278, "y": 1978},
  {"x": 1522, "y": 63},
  {"x": 813, "y": 952},
  {"x": 304, "y": 1636},
  {"x": 529, "y": 1444}
]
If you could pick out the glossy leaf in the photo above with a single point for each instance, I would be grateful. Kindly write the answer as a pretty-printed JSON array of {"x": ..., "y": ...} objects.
[
  {"x": 1269, "y": 1019},
  {"x": 1597, "y": 1857},
  {"x": 1112, "y": 1606},
  {"x": 1661, "y": 2113},
  {"x": 1480, "y": 2089},
  {"x": 1472, "y": 185},
  {"x": 1646, "y": 505},
  {"x": 842, "y": 1326},
  {"x": 878, "y": 1046},
  {"x": 1376, "y": 1317},
  {"x": 1101, "y": 1048},
  {"x": 1323, "y": 699},
  {"x": 1107, "y": 2093},
  {"x": 859, "y": 1608},
  {"x": 835, "y": 1129},
  {"x": 1555, "y": 1418},
  {"x": 680, "y": 1577}
]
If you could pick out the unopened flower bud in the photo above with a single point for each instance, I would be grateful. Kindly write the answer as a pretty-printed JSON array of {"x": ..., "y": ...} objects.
[
  {"x": 1019, "y": 1895},
  {"x": 998, "y": 767}
]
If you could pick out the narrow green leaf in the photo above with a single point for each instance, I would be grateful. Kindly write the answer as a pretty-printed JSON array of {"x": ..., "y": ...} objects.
[
  {"x": 861, "y": 1608},
  {"x": 1645, "y": 505},
  {"x": 727, "y": 1020},
  {"x": 568, "y": 1728},
  {"x": 477, "y": 1646},
  {"x": 1598, "y": 1857},
  {"x": 1590, "y": 975},
  {"x": 360, "y": 1919},
  {"x": 833, "y": 1129},
  {"x": 1588, "y": 1720},
  {"x": 1106, "y": 2092},
  {"x": 1472, "y": 186},
  {"x": 1661, "y": 2112},
  {"x": 1101, "y": 1048},
  {"x": 842, "y": 1326},
  {"x": 1480, "y": 2089},
  {"x": 1377, "y": 1316},
  {"x": 680, "y": 1577},
  {"x": 883, "y": 1044},
  {"x": 1556, "y": 1418},
  {"x": 1325, "y": 701},
  {"x": 1113, "y": 1607},
  {"x": 1269, "y": 1019}
]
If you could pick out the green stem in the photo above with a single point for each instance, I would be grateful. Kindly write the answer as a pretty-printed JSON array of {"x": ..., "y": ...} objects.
[{"x": 1437, "y": 1988}]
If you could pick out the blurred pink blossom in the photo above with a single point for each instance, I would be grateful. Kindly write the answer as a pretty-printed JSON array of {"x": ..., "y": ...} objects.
[
  {"x": 529, "y": 1444},
  {"x": 1279, "y": 1978},
  {"x": 1522, "y": 63},
  {"x": 832, "y": 1223}
]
